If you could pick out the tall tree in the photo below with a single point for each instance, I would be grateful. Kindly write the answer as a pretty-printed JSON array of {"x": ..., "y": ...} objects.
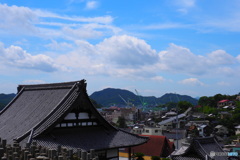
[
  {"x": 121, "y": 122},
  {"x": 184, "y": 105}
]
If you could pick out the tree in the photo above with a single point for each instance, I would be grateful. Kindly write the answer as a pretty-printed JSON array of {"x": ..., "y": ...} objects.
[
  {"x": 236, "y": 114},
  {"x": 139, "y": 156},
  {"x": 219, "y": 97},
  {"x": 155, "y": 158},
  {"x": 121, "y": 122},
  {"x": 203, "y": 101},
  {"x": 207, "y": 101},
  {"x": 171, "y": 105},
  {"x": 184, "y": 105}
]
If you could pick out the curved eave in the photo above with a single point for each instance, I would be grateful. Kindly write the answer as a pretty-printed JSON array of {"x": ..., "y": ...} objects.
[
  {"x": 144, "y": 140},
  {"x": 87, "y": 138}
]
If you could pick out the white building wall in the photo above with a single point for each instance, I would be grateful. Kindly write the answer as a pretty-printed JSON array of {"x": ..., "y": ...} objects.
[
  {"x": 237, "y": 131},
  {"x": 152, "y": 131}
]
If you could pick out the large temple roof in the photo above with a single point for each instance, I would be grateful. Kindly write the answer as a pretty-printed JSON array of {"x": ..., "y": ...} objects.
[{"x": 37, "y": 110}]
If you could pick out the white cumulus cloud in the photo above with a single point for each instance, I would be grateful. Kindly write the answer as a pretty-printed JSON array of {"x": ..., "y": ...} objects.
[
  {"x": 92, "y": 5},
  {"x": 17, "y": 20},
  {"x": 192, "y": 81},
  {"x": 223, "y": 83},
  {"x": 184, "y": 5},
  {"x": 33, "y": 81},
  {"x": 40, "y": 23},
  {"x": 127, "y": 51},
  {"x": 238, "y": 58},
  {"x": 179, "y": 59},
  {"x": 220, "y": 57},
  {"x": 158, "y": 78},
  {"x": 128, "y": 56},
  {"x": 118, "y": 55},
  {"x": 15, "y": 56}
]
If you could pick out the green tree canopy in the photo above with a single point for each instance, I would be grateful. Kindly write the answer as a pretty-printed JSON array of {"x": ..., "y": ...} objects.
[
  {"x": 212, "y": 101},
  {"x": 121, "y": 122},
  {"x": 184, "y": 105}
]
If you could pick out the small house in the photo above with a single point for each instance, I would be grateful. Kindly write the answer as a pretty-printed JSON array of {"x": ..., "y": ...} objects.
[
  {"x": 237, "y": 131},
  {"x": 220, "y": 130},
  {"x": 156, "y": 146},
  {"x": 225, "y": 114},
  {"x": 224, "y": 103}
]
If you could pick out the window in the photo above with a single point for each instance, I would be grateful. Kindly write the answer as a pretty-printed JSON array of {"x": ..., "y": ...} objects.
[
  {"x": 147, "y": 131},
  {"x": 63, "y": 125}
]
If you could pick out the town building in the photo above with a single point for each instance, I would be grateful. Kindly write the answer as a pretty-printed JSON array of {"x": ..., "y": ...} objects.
[
  {"x": 224, "y": 103},
  {"x": 237, "y": 131},
  {"x": 152, "y": 131},
  {"x": 225, "y": 114},
  {"x": 220, "y": 130},
  {"x": 156, "y": 146},
  {"x": 172, "y": 122}
]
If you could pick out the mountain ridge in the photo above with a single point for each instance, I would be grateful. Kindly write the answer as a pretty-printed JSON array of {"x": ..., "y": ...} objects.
[
  {"x": 5, "y": 99},
  {"x": 110, "y": 96}
]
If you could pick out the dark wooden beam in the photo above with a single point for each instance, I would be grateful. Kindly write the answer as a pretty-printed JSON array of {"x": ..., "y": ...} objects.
[{"x": 129, "y": 153}]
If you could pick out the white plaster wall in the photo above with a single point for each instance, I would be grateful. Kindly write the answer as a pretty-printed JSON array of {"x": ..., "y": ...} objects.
[{"x": 70, "y": 116}]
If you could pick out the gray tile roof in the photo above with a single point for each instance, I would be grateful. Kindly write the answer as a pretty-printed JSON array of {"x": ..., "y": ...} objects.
[
  {"x": 171, "y": 119},
  {"x": 178, "y": 136},
  {"x": 199, "y": 148},
  {"x": 206, "y": 145},
  {"x": 28, "y": 109},
  {"x": 186, "y": 158}
]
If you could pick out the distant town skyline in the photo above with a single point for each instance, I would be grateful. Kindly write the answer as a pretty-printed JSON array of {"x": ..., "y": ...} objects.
[{"x": 188, "y": 47}]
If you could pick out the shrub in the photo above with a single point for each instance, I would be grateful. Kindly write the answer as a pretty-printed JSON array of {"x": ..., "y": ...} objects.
[
  {"x": 155, "y": 158},
  {"x": 139, "y": 156}
]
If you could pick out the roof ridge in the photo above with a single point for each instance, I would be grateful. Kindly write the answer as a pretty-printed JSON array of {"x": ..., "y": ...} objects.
[{"x": 59, "y": 85}]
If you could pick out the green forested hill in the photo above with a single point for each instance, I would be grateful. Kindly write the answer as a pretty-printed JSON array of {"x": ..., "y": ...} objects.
[
  {"x": 172, "y": 97},
  {"x": 110, "y": 96},
  {"x": 5, "y": 99}
]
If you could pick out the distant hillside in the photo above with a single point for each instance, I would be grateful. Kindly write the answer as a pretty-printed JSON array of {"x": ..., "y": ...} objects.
[
  {"x": 111, "y": 96},
  {"x": 5, "y": 99},
  {"x": 172, "y": 97}
]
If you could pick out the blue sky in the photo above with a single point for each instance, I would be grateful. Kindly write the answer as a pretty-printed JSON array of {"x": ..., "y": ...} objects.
[{"x": 190, "y": 47}]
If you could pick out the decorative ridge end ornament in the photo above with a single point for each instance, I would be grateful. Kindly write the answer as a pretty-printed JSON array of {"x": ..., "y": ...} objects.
[
  {"x": 19, "y": 88},
  {"x": 81, "y": 85}
]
